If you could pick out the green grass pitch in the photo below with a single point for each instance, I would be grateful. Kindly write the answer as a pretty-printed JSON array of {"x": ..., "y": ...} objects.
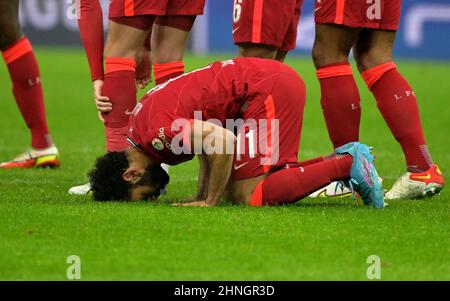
[{"x": 41, "y": 225}]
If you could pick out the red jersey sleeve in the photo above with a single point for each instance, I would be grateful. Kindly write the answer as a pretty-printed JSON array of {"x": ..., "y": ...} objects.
[{"x": 90, "y": 23}]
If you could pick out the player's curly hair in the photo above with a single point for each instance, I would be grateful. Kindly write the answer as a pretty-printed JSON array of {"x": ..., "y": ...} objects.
[{"x": 107, "y": 183}]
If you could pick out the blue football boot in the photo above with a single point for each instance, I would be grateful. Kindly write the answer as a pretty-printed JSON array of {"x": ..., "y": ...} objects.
[{"x": 363, "y": 174}]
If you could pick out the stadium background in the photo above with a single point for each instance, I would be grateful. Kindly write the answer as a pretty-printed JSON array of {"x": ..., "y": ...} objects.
[{"x": 424, "y": 30}]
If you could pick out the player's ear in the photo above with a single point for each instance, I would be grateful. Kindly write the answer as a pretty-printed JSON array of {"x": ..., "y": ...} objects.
[{"x": 131, "y": 175}]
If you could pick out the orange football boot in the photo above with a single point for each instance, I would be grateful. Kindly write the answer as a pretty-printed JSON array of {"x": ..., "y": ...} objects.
[
  {"x": 417, "y": 185},
  {"x": 48, "y": 157}
]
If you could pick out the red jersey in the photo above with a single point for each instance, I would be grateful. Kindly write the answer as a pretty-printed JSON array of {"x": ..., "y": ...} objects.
[{"x": 219, "y": 91}]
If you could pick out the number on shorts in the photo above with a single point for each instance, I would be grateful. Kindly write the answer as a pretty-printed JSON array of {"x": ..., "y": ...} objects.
[
  {"x": 237, "y": 9},
  {"x": 252, "y": 147}
]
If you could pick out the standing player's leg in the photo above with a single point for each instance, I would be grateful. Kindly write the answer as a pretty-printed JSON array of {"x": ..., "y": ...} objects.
[
  {"x": 120, "y": 66},
  {"x": 169, "y": 38},
  {"x": 130, "y": 22},
  {"x": 260, "y": 27},
  {"x": 398, "y": 104},
  {"x": 336, "y": 33},
  {"x": 90, "y": 23},
  {"x": 143, "y": 63},
  {"x": 339, "y": 94},
  {"x": 27, "y": 88},
  {"x": 290, "y": 39}
]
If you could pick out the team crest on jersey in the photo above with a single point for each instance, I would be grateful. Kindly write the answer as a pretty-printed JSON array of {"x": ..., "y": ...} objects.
[{"x": 158, "y": 144}]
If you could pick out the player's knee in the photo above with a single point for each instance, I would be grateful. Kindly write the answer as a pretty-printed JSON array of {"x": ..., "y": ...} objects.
[
  {"x": 169, "y": 43},
  {"x": 317, "y": 55},
  {"x": 9, "y": 33},
  {"x": 167, "y": 52},
  {"x": 117, "y": 46},
  {"x": 370, "y": 58},
  {"x": 323, "y": 55},
  {"x": 117, "y": 49},
  {"x": 9, "y": 23},
  {"x": 260, "y": 51}
]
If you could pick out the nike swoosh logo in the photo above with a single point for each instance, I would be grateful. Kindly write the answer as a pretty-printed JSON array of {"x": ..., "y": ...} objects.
[
  {"x": 236, "y": 167},
  {"x": 317, "y": 9},
  {"x": 234, "y": 30},
  {"x": 127, "y": 112},
  {"x": 426, "y": 177}
]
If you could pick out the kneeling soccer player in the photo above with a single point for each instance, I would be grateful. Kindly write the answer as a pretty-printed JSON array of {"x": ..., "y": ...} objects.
[{"x": 188, "y": 115}]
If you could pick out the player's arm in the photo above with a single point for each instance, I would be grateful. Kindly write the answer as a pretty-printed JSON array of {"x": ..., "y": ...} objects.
[
  {"x": 90, "y": 24},
  {"x": 217, "y": 147},
  {"x": 203, "y": 178}
]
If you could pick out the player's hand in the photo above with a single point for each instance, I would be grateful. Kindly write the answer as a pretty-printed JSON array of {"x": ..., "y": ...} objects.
[
  {"x": 98, "y": 85},
  {"x": 193, "y": 204},
  {"x": 143, "y": 68},
  {"x": 101, "y": 102},
  {"x": 103, "y": 105}
]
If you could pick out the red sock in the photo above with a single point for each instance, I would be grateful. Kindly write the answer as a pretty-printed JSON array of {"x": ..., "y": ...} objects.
[
  {"x": 314, "y": 160},
  {"x": 166, "y": 71},
  {"x": 24, "y": 72},
  {"x": 292, "y": 184},
  {"x": 307, "y": 162},
  {"x": 120, "y": 87},
  {"x": 340, "y": 103},
  {"x": 398, "y": 105}
]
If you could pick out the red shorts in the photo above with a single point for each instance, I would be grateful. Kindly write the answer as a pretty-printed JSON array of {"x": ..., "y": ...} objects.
[
  {"x": 270, "y": 135},
  {"x": 376, "y": 14},
  {"x": 141, "y": 14},
  {"x": 268, "y": 22}
]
